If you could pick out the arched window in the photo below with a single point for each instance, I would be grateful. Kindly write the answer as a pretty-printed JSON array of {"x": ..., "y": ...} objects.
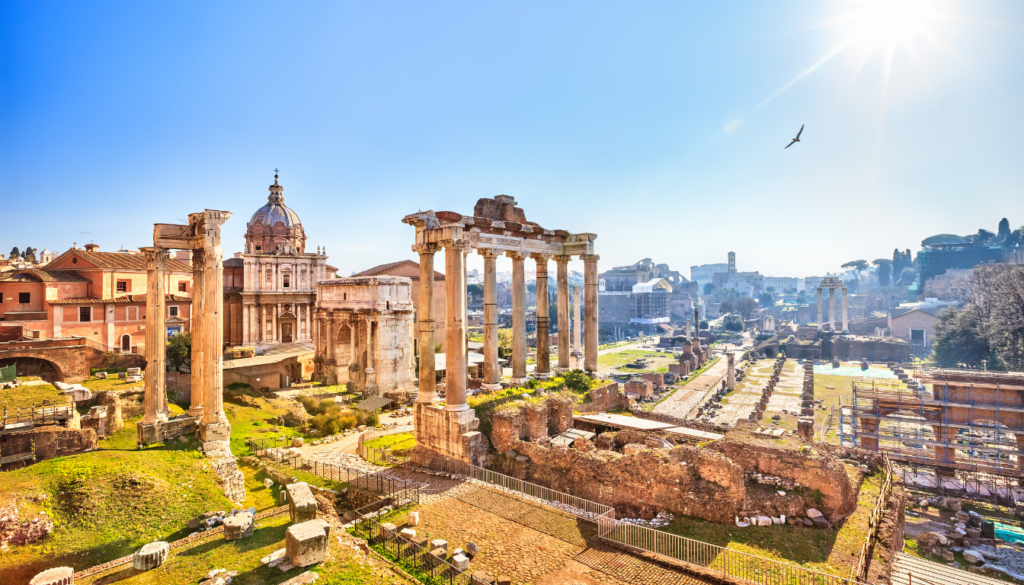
[{"x": 126, "y": 343}]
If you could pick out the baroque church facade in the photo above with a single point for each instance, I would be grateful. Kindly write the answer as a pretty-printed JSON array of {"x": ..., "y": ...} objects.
[{"x": 270, "y": 288}]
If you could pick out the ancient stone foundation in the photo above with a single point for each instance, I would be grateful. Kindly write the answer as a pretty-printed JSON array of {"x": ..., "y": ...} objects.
[
  {"x": 225, "y": 465},
  {"x": 447, "y": 433},
  {"x": 167, "y": 430}
]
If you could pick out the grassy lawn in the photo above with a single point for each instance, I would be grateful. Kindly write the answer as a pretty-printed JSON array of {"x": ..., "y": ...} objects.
[
  {"x": 112, "y": 384},
  {"x": 26, "y": 396},
  {"x": 396, "y": 442},
  {"x": 614, "y": 360},
  {"x": 830, "y": 551},
  {"x": 191, "y": 565},
  {"x": 107, "y": 503},
  {"x": 257, "y": 419}
]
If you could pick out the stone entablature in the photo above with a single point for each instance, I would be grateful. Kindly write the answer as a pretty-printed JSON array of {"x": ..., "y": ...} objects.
[{"x": 363, "y": 334}]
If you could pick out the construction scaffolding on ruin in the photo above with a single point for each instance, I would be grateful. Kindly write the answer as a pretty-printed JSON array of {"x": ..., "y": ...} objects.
[{"x": 964, "y": 424}]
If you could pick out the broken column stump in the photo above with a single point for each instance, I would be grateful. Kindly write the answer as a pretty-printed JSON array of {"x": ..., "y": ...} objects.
[
  {"x": 150, "y": 556},
  {"x": 55, "y": 576},
  {"x": 238, "y": 526}
]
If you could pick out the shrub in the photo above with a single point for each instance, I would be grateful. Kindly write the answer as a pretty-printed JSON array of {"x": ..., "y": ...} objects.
[
  {"x": 577, "y": 381},
  {"x": 312, "y": 405}
]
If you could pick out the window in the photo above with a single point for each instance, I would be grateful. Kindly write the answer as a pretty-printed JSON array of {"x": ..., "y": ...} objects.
[
  {"x": 182, "y": 287},
  {"x": 85, "y": 314},
  {"x": 173, "y": 310},
  {"x": 133, "y": 313},
  {"x": 123, "y": 286},
  {"x": 917, "y": 335},
  {"x": 24, "y": 298},
  {"x": 287, "y": 280}
]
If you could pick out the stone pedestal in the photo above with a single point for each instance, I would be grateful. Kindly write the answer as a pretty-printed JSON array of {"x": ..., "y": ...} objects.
[
  {"x": 447, "y": 433},
  {"x": 150, "y": 556},
  {"x": 238, "y": 526},
  {"x": 306, "y": 543},
  {"x": 302, "y": 505},
  {"x": 215, "y": 432},
  {"x": 55, "y": 576},
  {"x": 147, "y": 434},
  {"x": 805, "y": 428}
]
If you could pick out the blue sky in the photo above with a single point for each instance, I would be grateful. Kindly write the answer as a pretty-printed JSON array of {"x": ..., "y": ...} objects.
[{"x": 658, "y": 126}]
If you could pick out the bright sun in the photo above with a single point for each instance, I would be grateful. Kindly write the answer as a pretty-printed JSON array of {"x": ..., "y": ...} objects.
[{"x": 890, "y": 20}]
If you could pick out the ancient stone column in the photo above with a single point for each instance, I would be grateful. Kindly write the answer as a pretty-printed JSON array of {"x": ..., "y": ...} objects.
[
  {"x": 590, "y": 282},
  {"x": 577, "y": 326},
  {"x": 353, "y": 339},
  {"x": 846, "y": 324},
  {"x": 198, "y": 393},
  {"x": 155, "y": 398},
  {"x": 309, "y": 321},
  {"x": 564, "y": 319},
  {"x": 455, "y": 333},
  {"x": 428, "y": 374},
  {"x": 275, "y": 310},
  {"x": 730, "y": 381},
  {"x": 371, "y": 374},
  {"x": 518, "y": 318},
  {"x": 831, "y": 309},
  {"x": 215, "y": 425},
  {"x": 492, "y": 370},
  {"x": 821, "y": 316},
  {"x": 245, "y": 323},
  {"x": 543, "y": 370}
]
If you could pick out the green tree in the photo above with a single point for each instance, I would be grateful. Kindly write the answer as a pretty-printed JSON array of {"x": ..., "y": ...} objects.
[
  {"x": 707, "y": 287},
  {"x": 15, "y": 252},
  {"x": 907, "y": 276},
  {"x": 959, "y": 339},
  {"x": 179, "y": 350},
  {"x": 766, "y": 299},
  {"x": 505, "y": 343},
  {"x": 577, "y": 381},
  {"x": 725, "y": 306},
  {"x": 704, "y": 324},
  {"x": 745, "y": 306},
  {"x": 941, "y": 239},
  {"x": 884, "y": 270},
  {"x": 857, "y": 266}
]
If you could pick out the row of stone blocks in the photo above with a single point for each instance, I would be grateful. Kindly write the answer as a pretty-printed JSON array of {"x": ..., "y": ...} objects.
[
  {"x": 767, "y": 390},
  {"x": 805, "y": 424}
]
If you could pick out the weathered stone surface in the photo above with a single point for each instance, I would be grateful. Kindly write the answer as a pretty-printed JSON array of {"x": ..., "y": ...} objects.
[
  {"x": 439, "y": 543},
  {"x": 408, "y": 534},
  {"x": 268, "y": 483},
  {"x": 301, "y": 504},
  {"x": 150, "y": 556},
  {"x": 238, "y": 526},
  {"x": 306, "y": 543},
  {"x": 388, "y": 530},
  {"x": 55, "y": 576},
  {"x": 813, "y": 513},
  {"x": 461, "y": 562},
  {"x": 472, "y": 548},
  {"x": 482, "y": 578},
  {"x": 974, "y": 557},
  {"x": 414, "y": 518},
  {"x": 437, "y": 557}
]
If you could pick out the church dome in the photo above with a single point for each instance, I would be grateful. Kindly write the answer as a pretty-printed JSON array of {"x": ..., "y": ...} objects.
[
  {"x": 275, "y": 228},
  {"x": 275, "y": 210}
]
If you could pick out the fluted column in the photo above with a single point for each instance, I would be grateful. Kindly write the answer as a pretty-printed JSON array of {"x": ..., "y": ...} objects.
[
  {"x": 198, "y": 392},
  {"x": 846, "y": 323},
  {"x": 213, "y": 343},
  {"x": 425, "y": 316},
  {"x": 518, "y": 318},
  {"x": 371, "y": 373},
  {"x": 543, "y": 370},
  {"x": 455, "y": 334},
  {"x": 564, "y": 319},
  {"x": 590, "y": 313},
  {"x": 155, "y": 397},
  {"x": 577, "y": 326},
  {"x": 821, "y": 316},
  {"x": 831, "y": 310},
  {"x": 275, "y": 309},
  {"x": 492, "y": 370},
  {"x": 309, "y": 321}
]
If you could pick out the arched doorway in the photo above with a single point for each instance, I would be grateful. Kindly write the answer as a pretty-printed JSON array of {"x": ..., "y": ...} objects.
[
  {"x": 343, "y": 352},
  {"x": 31, "y": 366},
  {"x": 286, "y": 324},
  {"x": 126, "y": 343}
]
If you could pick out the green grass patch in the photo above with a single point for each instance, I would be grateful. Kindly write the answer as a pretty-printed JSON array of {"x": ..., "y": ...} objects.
[
  {"x": 396, "y": 442},
  {"x": 614, "y": 360},
  {"x": 111, "y": 384},
  {"x": 26, "y": 396}
]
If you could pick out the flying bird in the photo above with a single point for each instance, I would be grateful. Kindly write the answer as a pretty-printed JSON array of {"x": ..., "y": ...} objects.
[{"x": 797, "y": 139}]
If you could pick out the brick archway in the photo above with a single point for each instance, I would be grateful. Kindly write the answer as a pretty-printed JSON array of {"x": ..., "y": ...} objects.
[
  {"x": 47, "y": 370},
  {"x": 69, "y": 363}
]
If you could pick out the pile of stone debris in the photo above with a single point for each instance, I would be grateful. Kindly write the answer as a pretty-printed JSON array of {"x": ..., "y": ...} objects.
[
  {"x": 973, "y": 537},
  {"x": 814, "y": 519},
  {"x": 765, "y": 479}
]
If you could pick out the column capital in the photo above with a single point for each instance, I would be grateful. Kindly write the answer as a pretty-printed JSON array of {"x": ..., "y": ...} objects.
[
  {"x": 155, "y": 257},
  {"x": 426, "y": 248},
  {"x": 516, "y": 254},
  {"x": 460, "y": 245},
  {"x": 488, "y": 252},
  {"x": 589, "y": 257},
  {"x": 562, "y": 259},
  {"x": 541, "y": 258}
]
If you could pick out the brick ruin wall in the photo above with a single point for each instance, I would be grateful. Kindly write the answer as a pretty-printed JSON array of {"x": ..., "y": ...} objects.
[
  {"x": 605, "y": 398},
  {"x": 631, "y": 472},
  {"x": 56, "y": 442}
]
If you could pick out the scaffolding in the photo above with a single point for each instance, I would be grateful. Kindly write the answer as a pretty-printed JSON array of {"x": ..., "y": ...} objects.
[{"x": 968, "y": 421}]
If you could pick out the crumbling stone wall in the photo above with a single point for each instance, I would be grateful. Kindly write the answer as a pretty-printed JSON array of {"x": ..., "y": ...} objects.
[
  {"x": 505, "y": 429},
  {"x": 605, "y": 398},
  {"x": 53, "y": 442},
  {"x": 535, "y": 423},
  {"x": 560, "y": 411}
]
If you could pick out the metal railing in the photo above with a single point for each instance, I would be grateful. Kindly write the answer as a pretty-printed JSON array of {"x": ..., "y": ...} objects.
[
  {"x": 414, "y": 558},
  {"x": 38, "y": 414},
  {"x": 572, "y": 505},
  {"x": 382, "y": 457},
  {"x": 399, "y": 490}
]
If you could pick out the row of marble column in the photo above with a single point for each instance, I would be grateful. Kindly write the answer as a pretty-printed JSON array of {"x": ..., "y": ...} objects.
[
  {"x": 328, "y": 325},
  {"x": 207, "y": 333},
  {"x": 255, "y": 318},
  {"x": 455, "y": 326},
  {"x": 832, "y": 310}
]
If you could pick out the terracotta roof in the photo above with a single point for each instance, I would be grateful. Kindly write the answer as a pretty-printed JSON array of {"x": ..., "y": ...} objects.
[
  {"x": 125, "y": 300},
  {"x": 120, "y": 260},
  {"x": 386, "y": 268},
  {"x": 234, "y": 263},
  {"x": 43, "y": 275}
]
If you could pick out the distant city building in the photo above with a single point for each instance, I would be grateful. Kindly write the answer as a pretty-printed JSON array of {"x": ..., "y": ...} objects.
[
  {"x": 642, "y": 296},
  {"x": 937, "y": 259},
  {"x": 915, "y": 322},
  {"x": 781, "y": 283},
  {"x": 731, "y": 278},
  {"x": 703, "y": 274}
]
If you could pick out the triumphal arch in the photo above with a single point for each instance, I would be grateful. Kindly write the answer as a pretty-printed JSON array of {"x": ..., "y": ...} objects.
[{"x": 496, "y": 227}]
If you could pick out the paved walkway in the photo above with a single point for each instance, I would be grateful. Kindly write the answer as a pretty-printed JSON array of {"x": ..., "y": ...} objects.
[
  {"x": 683, "y": 400},
  {"x": 910, "y": 569}
]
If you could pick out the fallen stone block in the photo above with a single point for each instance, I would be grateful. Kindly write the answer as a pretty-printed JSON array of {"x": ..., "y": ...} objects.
[
  {"x": 238, "y": 526},
  {"x": 974, "y": 557},
  {"x": 388, "y": 530},
  {"x": 481, "y": 578},
  {"x": 306, "y": 543},
  {"x": 813, "y": 513},
  {"x": 303, "y": 579},
  {"x": 54, "y": 576},
  {"x": 301, "y": 504},
  {"x": 150, "y": 556},
  {"x": 273, "y": 557},
  {"x": 296, "y": 441},
  {"x": 437, "y": 557},
  {"x": 408, "y": 534},
  {"x": 820, "y": 522},
  {"x": 461, "y": 562},
  {"x": 504, "y": 580},
  {"x": 472, "y": 548},
  {"x": 414, "y": 519},
  {"x": 268, "y": 483},
  {"x": 439, "y": 543}
]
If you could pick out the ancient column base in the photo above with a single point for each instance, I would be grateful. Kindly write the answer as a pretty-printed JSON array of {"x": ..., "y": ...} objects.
[
  {"x": 490, "y": 387},
  {"x": 517, "y": 381},
  {"x": 196, "y": 412},
  {"x": 543, "y": 375},
  {"x": 147, "y": 434},
  {"x": 219, "y": 431},
  {"x": 560, "y": 371},
  {"x": 447, "y": 433}
]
